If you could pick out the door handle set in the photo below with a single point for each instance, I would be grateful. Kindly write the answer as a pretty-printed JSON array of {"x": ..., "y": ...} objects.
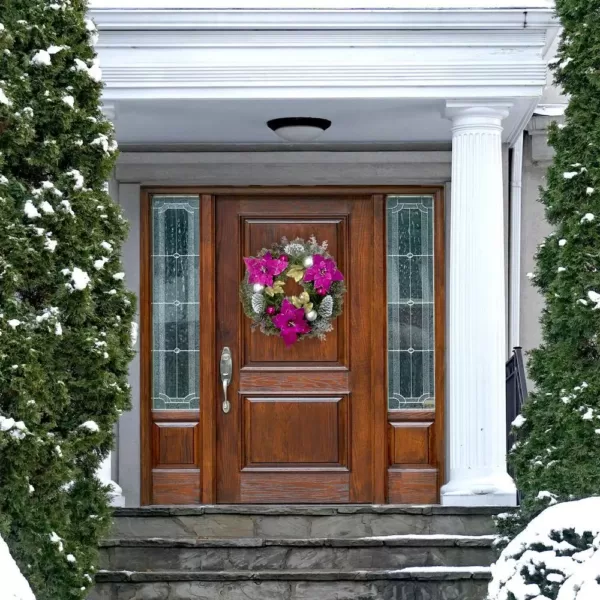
[{"x": 226, "y": 375}]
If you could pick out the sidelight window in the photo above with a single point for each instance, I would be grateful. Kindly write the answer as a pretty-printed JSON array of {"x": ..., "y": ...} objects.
[
  {"x": 175, "y": 302},
  {"x": 410, "y": 302}
]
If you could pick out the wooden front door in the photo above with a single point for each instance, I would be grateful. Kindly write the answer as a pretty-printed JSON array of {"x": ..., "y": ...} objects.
[
  {"x": 300, "y": 425},
  {"x": 357, "y": 417}
]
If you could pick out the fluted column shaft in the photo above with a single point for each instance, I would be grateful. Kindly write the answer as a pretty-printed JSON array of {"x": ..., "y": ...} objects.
[{"x": 477, "y": 316}]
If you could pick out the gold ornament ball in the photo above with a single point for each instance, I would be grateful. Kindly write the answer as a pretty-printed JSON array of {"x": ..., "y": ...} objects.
[
  {"x": 308, "y": 262},
  {"x": 311, "y": 315}
]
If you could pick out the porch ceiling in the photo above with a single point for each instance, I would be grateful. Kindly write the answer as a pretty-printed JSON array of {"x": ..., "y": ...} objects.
[{"x": 356, "y": 122}]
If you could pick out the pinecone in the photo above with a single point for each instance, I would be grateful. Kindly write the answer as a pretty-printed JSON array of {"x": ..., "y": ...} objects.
[
  {"x": 326, "y": 308},
  {"x": 321, "y": 327},
  {"x": 258, "y": 303}
]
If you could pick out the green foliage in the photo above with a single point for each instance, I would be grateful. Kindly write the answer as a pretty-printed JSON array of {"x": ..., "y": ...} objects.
[
  {"x": 558, "y": 445},
  {"x": 65, "y": 316}
]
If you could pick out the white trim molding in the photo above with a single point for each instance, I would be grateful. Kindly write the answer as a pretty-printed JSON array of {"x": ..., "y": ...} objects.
[
  {"x": 282, "y": 14},
  {"x": 476, "y": 449},
  {"x": 284, "y": 168},
  {"x": 236, "y": 53},
  {"x": 516, "y": 184}
]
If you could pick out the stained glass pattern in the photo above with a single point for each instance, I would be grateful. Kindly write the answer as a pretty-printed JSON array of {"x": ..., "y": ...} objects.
[
  {"x": 175, "y": 302},
  {"x": 410, "y": 299}
]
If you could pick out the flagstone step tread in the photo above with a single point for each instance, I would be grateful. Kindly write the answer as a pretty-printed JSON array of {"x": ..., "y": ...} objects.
[
  {"x": 305, "y": 522},
  {"x": 425, "y": 540},
  {"x": 408, "y": 574},
  {"x": 307, "y": 510}
]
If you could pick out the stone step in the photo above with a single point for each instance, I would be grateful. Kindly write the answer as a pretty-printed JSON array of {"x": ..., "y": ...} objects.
[
  {"x": 284, "y": 522},
  {"x": 427, "y": 583},
  {"x": 387, "y": 552}
]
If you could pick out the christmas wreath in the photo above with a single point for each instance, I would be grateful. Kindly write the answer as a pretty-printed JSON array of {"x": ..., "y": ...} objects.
[{"x": 293, "y": 318}]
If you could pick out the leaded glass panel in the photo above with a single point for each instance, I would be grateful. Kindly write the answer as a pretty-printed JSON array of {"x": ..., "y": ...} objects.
[
  {"x": 410, "y": 299},
  {"x": 175, "y": 302}
]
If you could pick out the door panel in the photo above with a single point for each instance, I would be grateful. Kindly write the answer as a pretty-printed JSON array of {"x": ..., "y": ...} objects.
[
  {"x": 300, "y": 428},
  {"x": 286, "y": 445},
  {"x": 261, "y": 233}
]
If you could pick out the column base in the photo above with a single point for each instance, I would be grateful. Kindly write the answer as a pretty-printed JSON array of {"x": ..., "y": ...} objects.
[
  {"x": 492, "y": 490},
  {"x": 480, "y": 499},
  {"x": 116, "y": 497}
]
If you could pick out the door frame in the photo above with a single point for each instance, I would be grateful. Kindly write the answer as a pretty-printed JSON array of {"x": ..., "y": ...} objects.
[{"x": 420, "y": 481}]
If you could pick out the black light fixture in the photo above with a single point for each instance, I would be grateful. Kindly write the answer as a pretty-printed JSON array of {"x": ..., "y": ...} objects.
[{"x": 299, "y": 129}]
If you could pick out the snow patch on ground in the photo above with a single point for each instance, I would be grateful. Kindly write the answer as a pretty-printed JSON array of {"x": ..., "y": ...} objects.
[{"x": 14, "y": 585}]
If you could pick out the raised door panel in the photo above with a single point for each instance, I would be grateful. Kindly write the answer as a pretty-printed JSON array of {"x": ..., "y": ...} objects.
[
  {"x": 176, "y": 456},
  {"x": 270, "y": 350},
  {"x": 410, "y": 443},
  {"x": 295, "y": 432},
  {"x": 413, "y": 471}
]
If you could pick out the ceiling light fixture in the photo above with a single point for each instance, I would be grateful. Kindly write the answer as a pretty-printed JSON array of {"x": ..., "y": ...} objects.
[{"x": 299, "y": 129}]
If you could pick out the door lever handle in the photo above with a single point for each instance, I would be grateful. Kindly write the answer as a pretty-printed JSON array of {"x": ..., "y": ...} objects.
[{"x": 226, "y": 374}]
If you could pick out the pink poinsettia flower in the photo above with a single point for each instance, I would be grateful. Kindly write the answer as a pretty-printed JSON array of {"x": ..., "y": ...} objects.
[
  {"x": 291, "y": 322},
  {"x": 264, "y": 268},
  {"x": 323, "y": 273}
]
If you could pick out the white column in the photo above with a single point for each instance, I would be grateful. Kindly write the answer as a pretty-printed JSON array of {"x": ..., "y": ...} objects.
[
  {"x": 477, "y": 320},
  {"x": 105, "y": 476}
]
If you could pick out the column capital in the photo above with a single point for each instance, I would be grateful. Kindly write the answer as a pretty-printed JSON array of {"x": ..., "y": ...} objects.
[{"x": 477, "y": 113}]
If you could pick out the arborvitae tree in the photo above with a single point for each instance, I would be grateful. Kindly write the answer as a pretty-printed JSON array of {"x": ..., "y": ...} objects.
[
  {"x": 65, "y": 316},
  {"x": 557, "y": 451}
]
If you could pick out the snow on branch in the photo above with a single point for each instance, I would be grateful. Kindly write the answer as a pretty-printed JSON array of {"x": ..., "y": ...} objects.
[{"x": 557, "y": 556}]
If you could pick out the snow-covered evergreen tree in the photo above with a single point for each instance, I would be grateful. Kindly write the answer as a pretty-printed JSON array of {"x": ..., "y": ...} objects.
[
  {"x": 65, "y": 316},
  {"x": 557, "y": 451}
]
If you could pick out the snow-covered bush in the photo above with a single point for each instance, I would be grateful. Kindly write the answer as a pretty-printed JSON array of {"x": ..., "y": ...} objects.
[
  {"x": 65, "y": 316},
  {"x": 14, "y": 585},
  {"x": 556, "y": 557},
  {"x": 557, "y": 439}
]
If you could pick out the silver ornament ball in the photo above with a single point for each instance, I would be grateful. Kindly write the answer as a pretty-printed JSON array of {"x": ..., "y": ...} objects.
[
  {"x": 258, "y": 287},
  {"x": 311, "y": 315},
  {"x": 308, "y": 262}
]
